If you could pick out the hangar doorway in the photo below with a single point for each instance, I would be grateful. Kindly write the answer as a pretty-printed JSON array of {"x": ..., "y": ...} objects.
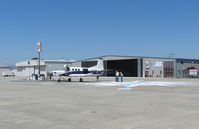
[{"x": 127, "y": 67}]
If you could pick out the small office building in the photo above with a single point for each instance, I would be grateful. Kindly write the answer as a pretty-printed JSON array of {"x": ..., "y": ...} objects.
[
  {"x": 29, "y": 67},
  {"x": 135, "y": 66}
]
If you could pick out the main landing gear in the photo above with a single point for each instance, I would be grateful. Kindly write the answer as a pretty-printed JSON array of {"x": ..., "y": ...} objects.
[
  {"x": 69, "y": 80},
  {"x": 81, "y": 80}
]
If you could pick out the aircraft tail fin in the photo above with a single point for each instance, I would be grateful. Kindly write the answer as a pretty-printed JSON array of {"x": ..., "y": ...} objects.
[{"x": 100, "y": 65}]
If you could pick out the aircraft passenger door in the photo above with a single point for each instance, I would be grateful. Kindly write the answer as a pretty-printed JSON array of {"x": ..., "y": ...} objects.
[
  {"x": 85, "y": 71},
  {"x": 68, "y": 68},
  {"x": 146, "y": 73}
]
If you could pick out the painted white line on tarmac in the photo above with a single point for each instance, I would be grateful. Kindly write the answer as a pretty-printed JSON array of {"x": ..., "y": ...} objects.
[{"x": 138, "y": 83}]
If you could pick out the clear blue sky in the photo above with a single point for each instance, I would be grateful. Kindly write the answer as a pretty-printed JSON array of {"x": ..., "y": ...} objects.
[{"x": 79, "y": 29}]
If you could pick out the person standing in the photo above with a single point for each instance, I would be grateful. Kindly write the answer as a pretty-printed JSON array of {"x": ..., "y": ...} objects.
[
  {"x": 117, "y": 76},
  {"x": 121, "y": 76}
]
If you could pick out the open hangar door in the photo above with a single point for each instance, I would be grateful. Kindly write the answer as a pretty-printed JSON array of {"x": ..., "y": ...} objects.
[{"x": 128, "y": 67}]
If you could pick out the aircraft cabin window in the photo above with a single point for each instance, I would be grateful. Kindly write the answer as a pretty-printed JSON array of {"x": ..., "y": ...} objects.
[
  {"x": 75, "y": 69},
  {"x": 78, "y": 69},
  {"x": 72, "y": 69}
]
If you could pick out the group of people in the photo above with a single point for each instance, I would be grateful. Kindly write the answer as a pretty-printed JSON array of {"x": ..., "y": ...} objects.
[{"x": 117, "y": 75}]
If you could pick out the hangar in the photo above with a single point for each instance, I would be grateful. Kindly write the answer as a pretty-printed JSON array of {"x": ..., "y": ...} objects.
[
  {"x": 28, "y": 67},
  {"x": 131, "y": 66},
  {"x": 137, "y": 66}
]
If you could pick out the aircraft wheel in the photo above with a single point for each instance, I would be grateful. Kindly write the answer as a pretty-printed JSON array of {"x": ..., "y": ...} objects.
[
  {"x": 81, "y": 79},
  {"x": 69, "y": 79},
  {"x": 59, "y": 80}
]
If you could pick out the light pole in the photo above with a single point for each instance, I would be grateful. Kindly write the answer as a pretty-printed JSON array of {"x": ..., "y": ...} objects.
[
  {"x": 171, "y": 55},
  {"x": 39, "y": 66}
]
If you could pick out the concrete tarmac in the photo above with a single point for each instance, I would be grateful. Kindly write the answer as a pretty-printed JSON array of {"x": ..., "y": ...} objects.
[{"x": 75, "y": 105}]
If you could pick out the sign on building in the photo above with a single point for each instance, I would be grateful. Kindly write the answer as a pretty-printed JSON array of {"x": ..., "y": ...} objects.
[
  {"x": 158, "y": 64},
  {"x": 193, "y": 72},
  {"x": 147, "y": 64}
]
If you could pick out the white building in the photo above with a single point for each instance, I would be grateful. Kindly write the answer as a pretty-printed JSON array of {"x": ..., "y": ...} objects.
[
  {"x": 4, "y": 69},
  {"x": 29, "y": 67}
]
